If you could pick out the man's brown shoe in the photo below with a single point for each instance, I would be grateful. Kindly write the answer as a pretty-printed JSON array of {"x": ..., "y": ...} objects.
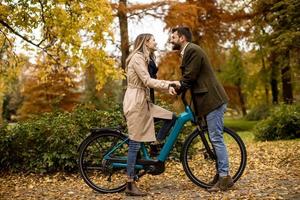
[
  {"x": 215, "y": 187},
  {"x": 224, "y": 183},
  {"x": 133, "y": 190}
]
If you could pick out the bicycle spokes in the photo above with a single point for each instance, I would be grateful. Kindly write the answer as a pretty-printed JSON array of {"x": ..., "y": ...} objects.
[
  {"x": 199, "y": 160},
  {"x": 95, "y": 163}
]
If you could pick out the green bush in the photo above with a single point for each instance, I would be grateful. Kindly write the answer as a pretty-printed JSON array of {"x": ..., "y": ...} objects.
[
  {"x": 49, "y": 142},
  {"x": 239, "y": 124},
  {"x": 283, "y": 123},
  {"x": 258, "y": 113}
]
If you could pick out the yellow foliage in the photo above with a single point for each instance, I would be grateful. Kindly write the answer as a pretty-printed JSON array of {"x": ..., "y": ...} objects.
[
  {"x": 104, "y": 67},
  {"x": 10, "y": 66},
  {"x": 72, "y": 32},
  {"x": 4, "y": 10}
]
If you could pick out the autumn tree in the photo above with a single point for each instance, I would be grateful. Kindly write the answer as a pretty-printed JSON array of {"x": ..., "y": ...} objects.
[
  {"x": 278, "y": 23},
  {"x": 211, "y": 23},
  {"x": 234, "y": 74},
  {"x": 101, "y": 99},
  {"x": 72, "y": 33},
  {"x": 46, "y": 88},
  {"x": 10, "y": 67}
]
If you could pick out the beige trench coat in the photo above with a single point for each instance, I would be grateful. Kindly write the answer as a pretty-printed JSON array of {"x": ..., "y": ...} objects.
[{"x": 138, "y": 109}]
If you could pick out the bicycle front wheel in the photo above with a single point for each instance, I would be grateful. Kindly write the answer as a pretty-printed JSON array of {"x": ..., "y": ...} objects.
[
  {"x": 200, "y": 166},
  {"x": 97, "y": 172}
]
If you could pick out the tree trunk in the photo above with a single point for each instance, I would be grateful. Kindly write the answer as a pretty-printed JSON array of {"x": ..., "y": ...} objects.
[
  {"x": 274, "y": 76},
  {"x": 286, "y": 78},
  {"x": 1, "y": 109},
  {"x": 264, "y": 72},
  {"x": 123, "y": 23},
  {"x": 122, "y": 15},
  {"x": 274, "y": 88},
  {"x": 242, "y": 100},
  {"x": 90, "y": 85}
]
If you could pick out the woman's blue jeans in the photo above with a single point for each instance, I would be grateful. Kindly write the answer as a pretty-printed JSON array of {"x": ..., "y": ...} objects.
[
  {"x": 133, "y": 149},
  {"x": 215, "y": 124}
]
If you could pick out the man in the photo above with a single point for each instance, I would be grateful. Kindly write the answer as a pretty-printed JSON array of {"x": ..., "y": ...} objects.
[{"x": 209, "y": 98}]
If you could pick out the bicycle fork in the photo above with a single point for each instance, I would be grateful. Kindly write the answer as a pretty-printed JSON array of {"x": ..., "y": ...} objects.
[{"x": 211, "y": 153}]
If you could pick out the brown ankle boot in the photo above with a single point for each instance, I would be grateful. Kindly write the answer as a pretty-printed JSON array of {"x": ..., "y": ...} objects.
[
  {"x": 133, "y": 190},
  {"x": 224, "y": 183}
]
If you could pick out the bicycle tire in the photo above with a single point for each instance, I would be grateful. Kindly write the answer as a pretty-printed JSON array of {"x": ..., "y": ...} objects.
[
  {"x": 198, "y": 165},
  {"x": 97, "y": 174}
]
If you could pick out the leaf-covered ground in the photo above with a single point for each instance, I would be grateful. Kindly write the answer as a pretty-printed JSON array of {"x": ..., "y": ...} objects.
[{"x": 273, "y": 172}]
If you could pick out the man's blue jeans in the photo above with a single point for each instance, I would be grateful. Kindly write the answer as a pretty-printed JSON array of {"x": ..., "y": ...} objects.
[{"x": 215, "y": 124}]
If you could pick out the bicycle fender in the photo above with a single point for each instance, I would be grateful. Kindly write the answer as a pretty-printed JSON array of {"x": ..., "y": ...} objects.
[
  {"x": 103, "y": 130},
  {"x": 95, "y": 131}
]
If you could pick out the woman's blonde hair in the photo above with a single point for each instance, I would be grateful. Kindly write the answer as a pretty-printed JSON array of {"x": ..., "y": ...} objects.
[{"x": 140, "y": 46}]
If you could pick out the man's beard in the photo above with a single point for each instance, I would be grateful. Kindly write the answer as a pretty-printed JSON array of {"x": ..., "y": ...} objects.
[{"x": 176, "y": 46}]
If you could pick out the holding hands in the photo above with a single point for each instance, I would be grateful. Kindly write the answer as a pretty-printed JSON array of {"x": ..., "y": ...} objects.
[{"x": 173, "y": 86}]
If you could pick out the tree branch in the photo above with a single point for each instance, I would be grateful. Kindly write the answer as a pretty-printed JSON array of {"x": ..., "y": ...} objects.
[
  {"x": 44, "y": 21},
  {"x": 143, "y": 9},
  {"x": 29, "y": 41},
  {"x": 18, "y": 34}
]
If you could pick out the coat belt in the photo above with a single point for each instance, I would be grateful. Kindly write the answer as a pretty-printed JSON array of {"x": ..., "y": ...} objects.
[{"x": 143, "y": 88}]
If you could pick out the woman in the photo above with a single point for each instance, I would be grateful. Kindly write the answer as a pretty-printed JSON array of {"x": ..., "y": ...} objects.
[{"x": 137, "y": 106}]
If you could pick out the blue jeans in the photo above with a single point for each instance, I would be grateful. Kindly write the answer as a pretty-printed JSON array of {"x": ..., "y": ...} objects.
[
  {"x": 215, "y": 124},
  {"x": 133, "y": 149}
]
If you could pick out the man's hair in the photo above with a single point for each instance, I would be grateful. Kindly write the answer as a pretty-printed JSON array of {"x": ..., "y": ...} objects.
[{"x": 183, "y": 31}]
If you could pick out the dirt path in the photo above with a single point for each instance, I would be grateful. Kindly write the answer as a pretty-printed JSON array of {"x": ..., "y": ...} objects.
[{"x": 273, "y": 172}]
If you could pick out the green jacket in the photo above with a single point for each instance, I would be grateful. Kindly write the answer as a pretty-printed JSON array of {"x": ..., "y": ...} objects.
[{"x": 197, "y": 75}]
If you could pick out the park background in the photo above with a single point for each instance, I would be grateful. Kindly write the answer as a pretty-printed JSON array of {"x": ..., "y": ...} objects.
[{"x": 62, "y": 73}]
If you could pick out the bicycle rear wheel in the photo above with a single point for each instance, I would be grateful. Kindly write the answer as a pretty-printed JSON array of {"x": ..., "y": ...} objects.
[
  {"x": 97, "y": 172},
  {"x": 200, "y": 167}
]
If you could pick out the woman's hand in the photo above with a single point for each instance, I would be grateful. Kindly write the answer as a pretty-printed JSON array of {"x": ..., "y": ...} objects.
[{"x": 172, "y": 90}]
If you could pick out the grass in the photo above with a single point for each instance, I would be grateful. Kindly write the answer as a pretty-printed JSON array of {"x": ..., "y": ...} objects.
[
  {"x": 239, "y": 124},
  {"x": 242, "y": 127},
  {"x": 247, "y": 136}
]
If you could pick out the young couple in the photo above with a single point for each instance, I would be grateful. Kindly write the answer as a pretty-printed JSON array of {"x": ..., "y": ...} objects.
[{"x": 209, "y": 99}]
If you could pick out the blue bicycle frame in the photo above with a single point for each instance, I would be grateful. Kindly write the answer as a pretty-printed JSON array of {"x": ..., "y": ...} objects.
[
  {"x": 170, "y": 141},
  {"x": 184, "y": 117}
]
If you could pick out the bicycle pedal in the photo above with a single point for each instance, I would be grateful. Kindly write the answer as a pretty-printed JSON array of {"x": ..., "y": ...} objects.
[
  {"x": 138, "y": 176},
  {"x": 146, "y": 162}
]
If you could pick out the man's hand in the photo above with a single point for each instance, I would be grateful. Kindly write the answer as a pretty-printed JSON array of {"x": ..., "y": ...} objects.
[{"x": 177, "y": 83}]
